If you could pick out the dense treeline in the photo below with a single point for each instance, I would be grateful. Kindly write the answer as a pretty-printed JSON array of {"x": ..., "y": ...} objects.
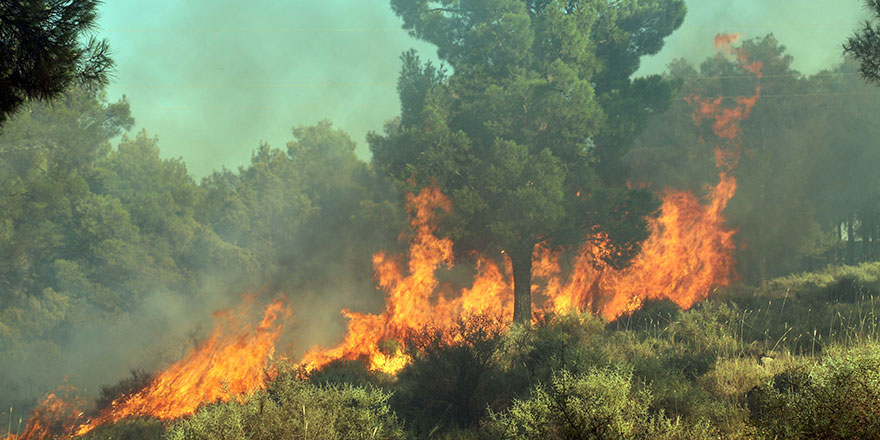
[{"x": 91, "y": 233}]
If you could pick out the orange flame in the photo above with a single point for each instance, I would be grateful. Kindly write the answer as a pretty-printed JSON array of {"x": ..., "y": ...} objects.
[
  {"x": 689, "y": 252},
  {"x": 230, "y": 363},
  {"x": 414, "y": 299},
  {"x": 55, "y": 415}
]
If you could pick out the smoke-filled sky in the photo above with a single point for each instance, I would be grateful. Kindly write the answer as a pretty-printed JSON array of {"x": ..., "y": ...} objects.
[{"x": 213, "y": 78}]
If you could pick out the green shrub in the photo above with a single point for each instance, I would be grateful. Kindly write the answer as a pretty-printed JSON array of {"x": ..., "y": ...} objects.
[
  {"x": 836, "y": 398},
  {"x": 654, "y": 314},
  {"x": 294, "y": 409},
  {"x": 848, "y": 289},
  {"x": 732, "y": 378},
  {"x": 601, "y": 404},
  {"x": 451, "y": 380},
  {"x": 572, "y": 342},
  {"x": 344, "y": 371}
]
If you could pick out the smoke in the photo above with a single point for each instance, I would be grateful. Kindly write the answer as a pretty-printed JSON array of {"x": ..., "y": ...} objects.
[
  {"x": 813, "y": 31},
  {"x": 214, "y": 78}
]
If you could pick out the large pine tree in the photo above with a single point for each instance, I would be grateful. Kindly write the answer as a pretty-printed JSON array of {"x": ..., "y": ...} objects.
[{"x": 526, "y": 132}]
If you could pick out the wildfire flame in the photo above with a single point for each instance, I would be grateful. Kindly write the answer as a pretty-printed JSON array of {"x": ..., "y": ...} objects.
[
  {"x": 230, "y": 363},
  {"x": 56, "y": 413},
  {"x": 689, "y": 252},
  {"x": 413, "y": 300}
]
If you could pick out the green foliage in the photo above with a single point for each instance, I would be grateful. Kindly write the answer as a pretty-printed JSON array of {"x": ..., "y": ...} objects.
[
  {"x": 538, "y": 110},
  {"x": 44, "y": 50},
  {"x": 291, "y": 408},
  {"x": 599, "y": 404},
  {"x": 453, "y": 377},
  {"x": 344, "y": 371},
  {"x": 835, "y": 398},
  {"x": 91, "y": 236},
  {"x": 864, "y": 45}
]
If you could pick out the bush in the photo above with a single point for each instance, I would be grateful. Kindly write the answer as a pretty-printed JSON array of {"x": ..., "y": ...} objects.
[
  {"x": 848, "y": 289},
  {"x": 136, "y": 381},
  {"x": 601, "y": 404},
  {"x": 344, "y": 371},
  {"x": 449, "y": 383},
  {"x": 128, "y": 429},
  {"x": 654, "y": 314},
  {"x": 572, "y": 342},
  {"x": 836, "y": 398},
  {"x": 292, "y": 408},
  {"x": 732, "y": 378}
]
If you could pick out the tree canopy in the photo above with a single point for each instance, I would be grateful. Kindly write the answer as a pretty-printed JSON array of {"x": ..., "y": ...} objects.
[
  {"x": 527, "y": 131},
  {"x": 864, "y": 45},
  {"x": 45, "y": 46}
]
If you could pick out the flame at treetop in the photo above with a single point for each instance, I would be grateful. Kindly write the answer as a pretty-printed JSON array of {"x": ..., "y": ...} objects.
[
  {"x": 690, "y": 250},
  {"x": 688, "y": 253}
]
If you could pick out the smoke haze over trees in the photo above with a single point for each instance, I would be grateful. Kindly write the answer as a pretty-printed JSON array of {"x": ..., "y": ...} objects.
[{"x": 113, "y": 256}]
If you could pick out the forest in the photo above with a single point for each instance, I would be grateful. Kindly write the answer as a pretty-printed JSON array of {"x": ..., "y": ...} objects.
[{"x": 541, "y": 245}]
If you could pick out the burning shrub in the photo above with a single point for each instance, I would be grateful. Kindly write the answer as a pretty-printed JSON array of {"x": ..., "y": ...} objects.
[
  {"x": 344, "y": 371},
  {"x": 128, "y": 429},
  {"x": 836, "y": 398},
  {"x": 451, "y": 379},
  {"x": 136, "y": 381},
  {"x": 292, "y": 408}
]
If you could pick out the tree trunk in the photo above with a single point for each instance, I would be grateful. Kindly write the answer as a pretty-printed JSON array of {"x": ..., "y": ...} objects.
[
  {"x": 850, "y": 240},
  {"x": 522, "y": 287}
]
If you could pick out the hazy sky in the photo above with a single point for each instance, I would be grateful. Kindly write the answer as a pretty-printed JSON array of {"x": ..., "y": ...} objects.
[{"x": 213, "y": 78}]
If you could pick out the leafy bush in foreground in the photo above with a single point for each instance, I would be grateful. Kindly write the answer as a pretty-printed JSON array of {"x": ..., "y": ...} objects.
[
  {"x": 835, "y": 398},
  {"x": 294, "y": 409},
  {"x": 601, "y": 404}
]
